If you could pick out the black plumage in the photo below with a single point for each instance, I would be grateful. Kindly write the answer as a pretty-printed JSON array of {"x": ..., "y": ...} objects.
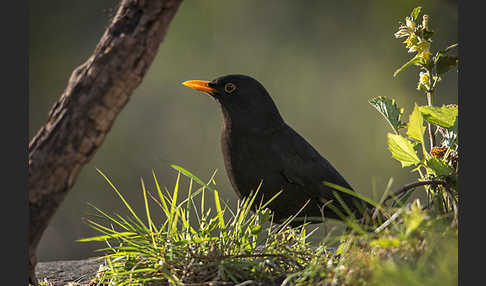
[{"x": 259, "y": 147}]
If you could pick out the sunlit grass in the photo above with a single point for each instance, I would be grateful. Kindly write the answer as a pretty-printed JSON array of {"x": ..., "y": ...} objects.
[{"x": 244, "y": 245}]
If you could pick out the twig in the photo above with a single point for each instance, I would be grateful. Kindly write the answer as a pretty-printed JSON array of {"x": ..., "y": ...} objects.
[{"x": 414, "y": 185}]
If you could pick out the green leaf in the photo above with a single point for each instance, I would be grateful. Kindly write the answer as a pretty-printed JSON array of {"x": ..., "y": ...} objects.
[
  {"x": 123, "y": 199},
  {"x": 189, "y": 174},
  {"x": 416, "y": 128},
  {"x": 414, "y": 60},
  {"x": 415, "y": 12},
  {"x": 446, "y": 63},
  {"x": 401, "y": 202},
  {"x": 219, "y": 211},
  {"x": 439, "y": 167},
  {"x": 389, "y": 109},
  {"x": 351, "y": 193},
  {"x": 173, "y": 215},
  {"x": 402, "y": 150},
  {"x": 385, "y": 242},
  {"x": 449, "y": 48},
  {"x": 256, "y": 229},
  {"x": 413, "y": 220},
  {"x": 444, "y": 116},
  {"x": 105, "y": 237}
]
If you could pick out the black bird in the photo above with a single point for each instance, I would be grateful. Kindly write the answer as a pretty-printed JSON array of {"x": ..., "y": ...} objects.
[{"x": 259, "y": 147}]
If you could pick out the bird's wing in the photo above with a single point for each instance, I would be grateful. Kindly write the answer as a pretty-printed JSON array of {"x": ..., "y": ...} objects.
[{"x": 302, "y": 165}]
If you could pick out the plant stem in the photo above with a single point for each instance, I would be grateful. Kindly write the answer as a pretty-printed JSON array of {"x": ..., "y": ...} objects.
[{"x": 430, "y": 126}]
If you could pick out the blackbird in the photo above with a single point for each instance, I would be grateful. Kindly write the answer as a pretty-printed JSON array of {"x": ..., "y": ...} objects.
[{"x": 259, "y": 147}]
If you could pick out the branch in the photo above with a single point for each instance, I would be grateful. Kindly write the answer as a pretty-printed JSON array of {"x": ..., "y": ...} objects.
[
  {"x": 95, "y": 94},
  {"x": 408, "y": 187}
]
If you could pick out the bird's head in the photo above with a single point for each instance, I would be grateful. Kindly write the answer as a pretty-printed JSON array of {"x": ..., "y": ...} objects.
[{"x": 244, "y": 101}]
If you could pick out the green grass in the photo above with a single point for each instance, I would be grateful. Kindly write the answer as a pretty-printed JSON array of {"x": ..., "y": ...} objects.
[{"x": 203, "y": 243}]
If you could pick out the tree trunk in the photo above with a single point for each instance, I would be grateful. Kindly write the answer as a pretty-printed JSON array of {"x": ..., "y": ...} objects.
[{"x": 96, "y": 92}]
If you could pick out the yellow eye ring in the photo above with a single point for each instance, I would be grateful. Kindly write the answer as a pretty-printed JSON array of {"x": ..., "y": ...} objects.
[{"x": 229, "y": 87}]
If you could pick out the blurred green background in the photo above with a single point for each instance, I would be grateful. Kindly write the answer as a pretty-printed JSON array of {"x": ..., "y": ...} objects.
[{"x": 320, "y": 60}]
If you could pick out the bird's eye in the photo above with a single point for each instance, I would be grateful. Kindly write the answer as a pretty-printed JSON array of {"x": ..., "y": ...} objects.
[{"x": 229, "y": 87}]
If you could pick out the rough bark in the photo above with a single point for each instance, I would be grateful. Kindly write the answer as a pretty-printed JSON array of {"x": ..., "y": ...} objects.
[{"x": 95, "y": 94}]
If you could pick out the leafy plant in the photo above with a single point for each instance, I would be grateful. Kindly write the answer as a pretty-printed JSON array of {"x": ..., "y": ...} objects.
[
  {"x": 412, "y": 248},
  {"x": 436, "y": 163}
]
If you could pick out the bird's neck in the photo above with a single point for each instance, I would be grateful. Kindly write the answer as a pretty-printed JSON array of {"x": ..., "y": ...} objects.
[{"x": 253, "y": 123}]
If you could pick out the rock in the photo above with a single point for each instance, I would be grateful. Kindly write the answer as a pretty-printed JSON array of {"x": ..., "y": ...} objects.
[{"x": 68, "y": 272}]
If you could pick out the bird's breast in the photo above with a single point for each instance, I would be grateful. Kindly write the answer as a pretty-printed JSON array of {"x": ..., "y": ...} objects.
[{"x": 247, "y": 158}]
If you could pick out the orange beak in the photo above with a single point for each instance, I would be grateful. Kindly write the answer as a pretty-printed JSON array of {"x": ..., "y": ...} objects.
[{"x": 201, "y": 85}]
